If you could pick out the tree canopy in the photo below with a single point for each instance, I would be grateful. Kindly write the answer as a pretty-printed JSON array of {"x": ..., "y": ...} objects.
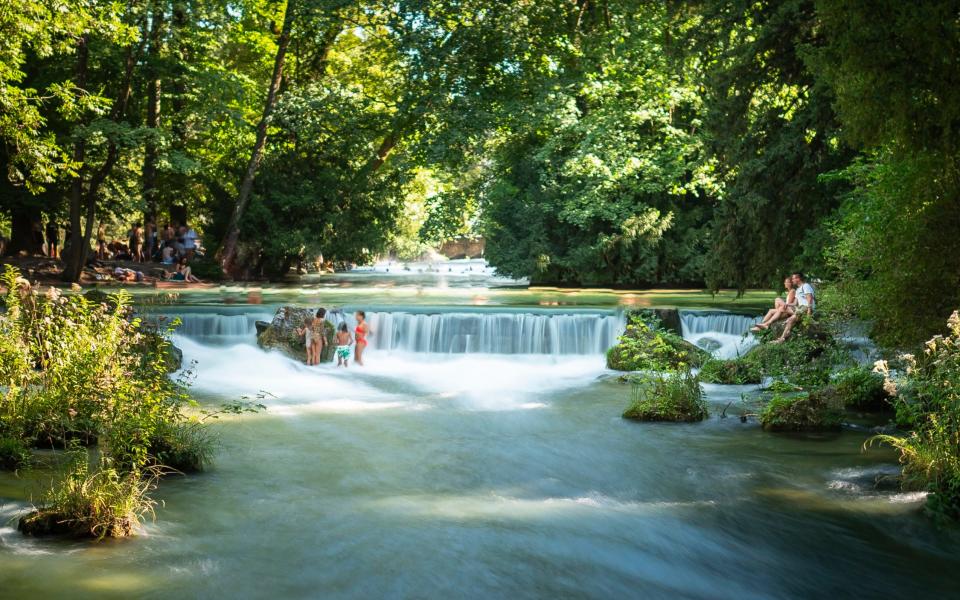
[{"x": 590, "y": 142}]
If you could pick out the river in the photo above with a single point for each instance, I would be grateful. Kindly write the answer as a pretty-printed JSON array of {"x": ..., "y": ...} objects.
[{"x": 481, "y": 454}]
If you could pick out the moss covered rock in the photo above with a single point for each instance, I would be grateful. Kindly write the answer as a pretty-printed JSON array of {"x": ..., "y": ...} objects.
[
  {"x": 645, "y": 345},
  {"x": 815, "y": 411},
  {"x": 281, "y": 334},
  {"x": 809, "y": 357}
]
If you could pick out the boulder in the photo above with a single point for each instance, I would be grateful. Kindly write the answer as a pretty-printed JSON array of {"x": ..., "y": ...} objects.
[{"x": 281, "y": 333}]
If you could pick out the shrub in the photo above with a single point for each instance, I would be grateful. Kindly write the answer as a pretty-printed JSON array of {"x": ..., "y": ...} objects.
[
  {"x": 667, "y": 397},
  {"x": 13, "y": 454},
  {"x": 646, "y": 346},
  {"x": 79, "y": 370},
  {"x": 860, "y": 387},
  {"x": 100, "y": 503},
  {"x": 731, "y": 372},
  {"x": 187, "y": 447},
  {"x": 927, "y": 398},
  {"x": 801, "y": 412}
]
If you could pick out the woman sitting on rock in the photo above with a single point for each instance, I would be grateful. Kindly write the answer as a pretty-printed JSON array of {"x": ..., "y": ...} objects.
[{"x": 782, "y": 307}]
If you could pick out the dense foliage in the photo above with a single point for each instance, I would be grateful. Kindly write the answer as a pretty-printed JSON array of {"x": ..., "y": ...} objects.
[
  {"x": 927, "y": 400},
  {"x": 78, "y": 373},
  {"x": 606, "y": 143}
]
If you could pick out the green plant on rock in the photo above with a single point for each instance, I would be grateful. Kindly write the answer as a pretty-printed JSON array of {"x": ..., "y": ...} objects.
[
  {"x": 731, "y": 372},
  {"x": 100, "y": 502},
  {"x": 646, "y": 346},
  {"x": 927, "y": 398},
  {"x": 667, "y": 397},
  {"x": 807, "y": 358},
  {"x": 860, "y": 387},
  {"x": 802, "y": 411}
]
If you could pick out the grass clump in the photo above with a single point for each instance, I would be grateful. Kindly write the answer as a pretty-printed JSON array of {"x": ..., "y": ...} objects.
[
  {"x": 186, "y": 447},
  {"x": 667, "y": 397},
  {"x": 646, "y": 346},
  {"x": 731, "y": 372},
  {"x": 99, "y": 503},
  {"x": 804, "y": 411},
  {"x": 927, "y": 399}
]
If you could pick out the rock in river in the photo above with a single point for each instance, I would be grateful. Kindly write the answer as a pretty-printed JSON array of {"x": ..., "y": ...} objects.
[{"x": 281, "y": 333}]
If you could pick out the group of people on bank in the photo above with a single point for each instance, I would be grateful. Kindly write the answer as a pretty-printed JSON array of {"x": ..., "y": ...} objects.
[
  {"x": 314, "y": 334},
  {"x": 800, "y": 299}
]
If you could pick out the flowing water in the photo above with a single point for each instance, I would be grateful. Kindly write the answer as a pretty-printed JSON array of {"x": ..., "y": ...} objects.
[{"x": 480, "y": 453}]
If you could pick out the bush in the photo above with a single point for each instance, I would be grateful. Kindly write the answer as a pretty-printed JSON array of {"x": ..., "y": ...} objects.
[
  {"x": 97, "y": 504},
  {"x": 80, "y": 372},
  {"x": 647, "y": 346},
  {"x": 83, "y": 371},
  {"x": 674, "y": 397},
  {"x": 861, "y": 388},
  {"x": 187, "y": 447},
  {"x": 927, "y": 398},
  {"x": 13, "y": 454},
  {"x": 802, "y": 412},
  {"x": 731, "y": 372}
]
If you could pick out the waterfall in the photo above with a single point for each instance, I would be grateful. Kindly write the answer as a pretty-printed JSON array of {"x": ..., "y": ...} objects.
[
  {"x": 507, "y": 332},
  {"x": 210, "y": 326},
  {"x": 725, "y": 335},
  {"x": 490, "y": 333}
]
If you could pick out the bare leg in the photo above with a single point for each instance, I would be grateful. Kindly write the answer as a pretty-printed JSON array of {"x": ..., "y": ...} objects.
[
  {"x": 786, "y": 330},
  {"x": 358, "y": 355}
]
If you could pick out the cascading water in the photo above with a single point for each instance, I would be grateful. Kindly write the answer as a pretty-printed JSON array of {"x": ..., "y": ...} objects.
[
  {"x": 582, "y": 333},
  {"x": 725, "y": 335},
  {"x": 491, "y": 333},
  {"x": 214, "y": 326}
]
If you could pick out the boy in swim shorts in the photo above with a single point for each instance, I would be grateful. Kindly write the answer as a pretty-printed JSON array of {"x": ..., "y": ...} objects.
[{"x": 343, "y": 341}]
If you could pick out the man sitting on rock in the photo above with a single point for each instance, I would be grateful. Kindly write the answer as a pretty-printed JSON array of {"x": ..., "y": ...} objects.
[{"x": 806, "y": 303}]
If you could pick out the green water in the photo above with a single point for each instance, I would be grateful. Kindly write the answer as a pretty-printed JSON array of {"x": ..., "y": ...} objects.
[{"x": 494, "y": 476}]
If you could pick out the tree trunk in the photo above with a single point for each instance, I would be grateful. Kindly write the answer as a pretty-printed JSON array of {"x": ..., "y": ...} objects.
[
  {"x": 153, "y": 115},
  {"x": 23, "y": 236},
  {"x": 81, "y": 200},
  {"x": 73, "y": 257},
  {"x": 228, "y": 253}
]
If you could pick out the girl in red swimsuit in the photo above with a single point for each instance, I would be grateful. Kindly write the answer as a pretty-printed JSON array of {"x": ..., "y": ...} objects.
[{"x": 360, "y": 336}]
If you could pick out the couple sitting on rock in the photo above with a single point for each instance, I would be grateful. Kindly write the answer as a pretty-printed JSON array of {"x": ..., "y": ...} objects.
[{"x": 800, "y": 299}]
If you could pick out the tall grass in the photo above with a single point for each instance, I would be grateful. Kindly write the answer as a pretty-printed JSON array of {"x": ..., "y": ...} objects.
[
  {"x": 667, "y": 397},
  {"x": 98, "y": 503}
]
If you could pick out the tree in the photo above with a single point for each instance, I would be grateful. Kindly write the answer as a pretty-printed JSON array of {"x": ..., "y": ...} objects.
[
  {"x": 229, "y": 251},
  {"x": 897, "y": 239}
]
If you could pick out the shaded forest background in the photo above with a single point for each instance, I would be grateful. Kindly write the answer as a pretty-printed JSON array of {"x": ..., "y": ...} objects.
[{"x": 590, "y": 142}]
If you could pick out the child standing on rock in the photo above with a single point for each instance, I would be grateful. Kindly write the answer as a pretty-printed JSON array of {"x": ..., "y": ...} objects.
[{"x": 343, "y": 340}]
